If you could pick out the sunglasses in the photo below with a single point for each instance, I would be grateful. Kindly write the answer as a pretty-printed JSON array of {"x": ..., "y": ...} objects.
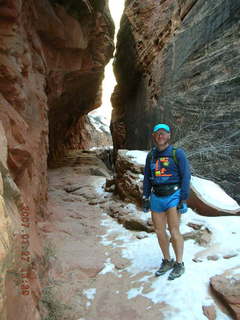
[{"x": 160, "y": 133}]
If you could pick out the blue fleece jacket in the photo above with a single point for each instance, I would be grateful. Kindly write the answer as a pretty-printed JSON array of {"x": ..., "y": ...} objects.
[{"x": 160, "y": 168}]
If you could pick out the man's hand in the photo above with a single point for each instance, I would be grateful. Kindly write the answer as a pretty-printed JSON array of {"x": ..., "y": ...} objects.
[
  {"x": 182, "y": 207},
  {"x": 146, "y": 204}
]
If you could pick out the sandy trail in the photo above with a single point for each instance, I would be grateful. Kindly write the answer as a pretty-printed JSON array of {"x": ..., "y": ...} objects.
[{"x": 80, "y": 285}]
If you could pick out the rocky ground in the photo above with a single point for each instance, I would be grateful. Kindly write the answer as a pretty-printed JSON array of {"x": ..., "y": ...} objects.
[{"x": 99, "y": 268}]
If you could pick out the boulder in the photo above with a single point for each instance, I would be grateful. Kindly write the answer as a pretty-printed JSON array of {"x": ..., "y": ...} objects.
[
  {"x": 210, "y": 199},
  {"x": 201, "y": 237},
  {"x": 129, "y": 217},
  {"x": 210, "y": 312},
  {"x": 129, "y": 175},
  {"x": 227, "y": 288}
]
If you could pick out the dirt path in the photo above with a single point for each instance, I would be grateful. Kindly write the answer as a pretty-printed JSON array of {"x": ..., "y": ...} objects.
[{"x": 81, "y": 251}]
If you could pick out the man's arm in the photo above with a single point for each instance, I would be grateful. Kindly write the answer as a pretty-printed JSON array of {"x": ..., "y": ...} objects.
[
  {"x": 146, "y": 181},
  {"x": 185, "y": 174}
]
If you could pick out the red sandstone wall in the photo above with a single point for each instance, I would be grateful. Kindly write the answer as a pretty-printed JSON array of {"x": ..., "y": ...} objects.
[{"x": 51, "y": 67}]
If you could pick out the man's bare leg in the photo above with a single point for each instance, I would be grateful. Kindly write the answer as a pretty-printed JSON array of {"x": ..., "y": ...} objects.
[
  {"x": 159, "y": 222},
  {"x": 177, "y": 239}
]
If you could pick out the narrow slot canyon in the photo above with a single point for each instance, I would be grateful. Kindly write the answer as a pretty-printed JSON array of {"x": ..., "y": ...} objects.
[{"x": 75, "y": 241}]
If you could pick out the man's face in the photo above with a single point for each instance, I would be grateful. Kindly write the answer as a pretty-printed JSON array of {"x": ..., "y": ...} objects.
[{"x": 161, "y": 137}]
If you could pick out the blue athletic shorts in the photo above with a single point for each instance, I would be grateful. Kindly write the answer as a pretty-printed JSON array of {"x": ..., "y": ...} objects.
[{"x": 161, "y": 204}]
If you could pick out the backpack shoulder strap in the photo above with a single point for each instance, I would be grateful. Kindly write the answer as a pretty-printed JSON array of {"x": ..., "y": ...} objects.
[
  {"x": 174, "y": 151},
  {"x": 151, "y": 154}
]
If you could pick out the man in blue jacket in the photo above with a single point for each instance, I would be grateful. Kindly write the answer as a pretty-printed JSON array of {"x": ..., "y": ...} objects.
[{"x": 165, "y": 191}]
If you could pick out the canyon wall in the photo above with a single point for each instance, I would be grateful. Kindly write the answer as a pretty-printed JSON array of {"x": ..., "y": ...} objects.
[
  {"x": 88, "y": 133},
  {"x": 178, "y": 62},
  {"x": 52, "y": 59},
  {"x": 77, "y": 45}
]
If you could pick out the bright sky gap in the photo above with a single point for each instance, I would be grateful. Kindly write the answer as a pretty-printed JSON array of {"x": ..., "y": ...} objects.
[{"x": 116, "y": 8}]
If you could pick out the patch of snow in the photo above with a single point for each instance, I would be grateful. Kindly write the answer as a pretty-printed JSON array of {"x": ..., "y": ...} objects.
[
  {"x": 132, "y": 293},
  {"x": 108, "y": 267},
  {"x": 213, "y": 194},
  {"x": 137, "y": 156},
  {"x": 144, "y": 279},
  {"x": 208, "y": 302},
  {"x": 236, "y": 272},
  {"x": 221, "y": 316},
  {"x": 99, "y": 125},
  {"x": 225, "y": 230},
  {"x": 100, "y": 189},
  {"x": 90, "y": 294},
  {"x": 101, "y": 148},
  {"x": 235, "y": 275},
  {"x": 114, "y": 228},
  {"x": 141, "y": 214},
  {"x": 132, "y": 207}
]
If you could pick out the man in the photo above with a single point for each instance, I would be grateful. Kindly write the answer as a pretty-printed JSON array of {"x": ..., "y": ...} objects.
[{"x": 165, "y": 190}]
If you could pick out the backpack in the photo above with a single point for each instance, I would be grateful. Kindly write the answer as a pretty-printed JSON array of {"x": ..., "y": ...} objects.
[{"x": 174, "y": 156}]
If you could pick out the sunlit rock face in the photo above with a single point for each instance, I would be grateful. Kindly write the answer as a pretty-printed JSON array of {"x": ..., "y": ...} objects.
[
  {"x": 178, "y": 62},
  {"x": 89, "y": 132}
]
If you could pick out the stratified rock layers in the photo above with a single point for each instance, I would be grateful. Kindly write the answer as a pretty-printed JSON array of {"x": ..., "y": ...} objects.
[
  {"x": 77, "y": 48},
  {"x": 178, "y": 62},
  {"x": 52, "y": 58}
]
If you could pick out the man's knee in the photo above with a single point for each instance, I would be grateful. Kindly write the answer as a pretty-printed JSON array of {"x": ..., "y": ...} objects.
[
  {"x": 161, "y": 231},
  {"x": 175, "y": 233}
]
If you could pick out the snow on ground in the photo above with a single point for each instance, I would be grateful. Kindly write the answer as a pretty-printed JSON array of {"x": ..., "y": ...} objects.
[
  {"x": 133, "y": 209},
  {"x": 187, "y": 294},
  {"x": 213, "y": 194},
  {"x": 137, "y": 156},
  {"x": 190, "y": 290},
  {"x": 101, "y": 148},
  {"x": 110, "y": 267},
  {"x": 114, "y": 228},
  {"x": 90, "y": 294},
  {"x": 100, "y": 187}
]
